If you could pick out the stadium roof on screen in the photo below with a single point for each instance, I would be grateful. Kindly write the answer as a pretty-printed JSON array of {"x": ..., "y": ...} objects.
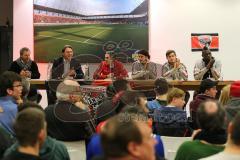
[{"x": 91, "y": 7}]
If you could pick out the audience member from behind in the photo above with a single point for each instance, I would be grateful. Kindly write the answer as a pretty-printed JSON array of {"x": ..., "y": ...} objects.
[
  {"x": 207, "y": 67},
  {"x": 161, "y": 87},
  {"x": 110, "y": 68},
  {"x": 171, "y": 120},
  {"x": 94, "y": 147},
  {"x": 207, "y": 91},
  {"x": 232, "y": 149},
  {"x": 225, "y": 95},
  {"x": 233, "y": 105},
  {"x": 24, "y": 66},
  {"x": 130, "y": 98},
  {"x": 69, "y": 119},
  {"x": 211, "y": 136},
  {"x": 66, "y": 66},
  {"x": 143, "y": 68},
  {"x": 30, "y": 129},
  {"x": 10, "y": 96},
  {"x": 105, "y": 108},
  {"x": 138, "y": 144},
  {"x": 173, "y": 69},
  {"x": 51, "y": 148}
]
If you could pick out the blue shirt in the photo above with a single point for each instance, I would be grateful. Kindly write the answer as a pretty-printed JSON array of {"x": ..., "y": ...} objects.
[
  {"x": 8, "y": 112},
  {"x": 94, "y": 147},
  {"x": 170, "y": 121}
]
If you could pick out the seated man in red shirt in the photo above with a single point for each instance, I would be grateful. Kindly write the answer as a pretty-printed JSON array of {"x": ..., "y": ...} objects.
[{"x": 110, "y": 68}]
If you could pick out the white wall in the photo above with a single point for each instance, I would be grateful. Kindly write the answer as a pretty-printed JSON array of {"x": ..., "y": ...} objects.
[
  {"x": 22, "y": 26},
  {"x": 171, "y": 25},
  {"x": 173, "y": 21}
]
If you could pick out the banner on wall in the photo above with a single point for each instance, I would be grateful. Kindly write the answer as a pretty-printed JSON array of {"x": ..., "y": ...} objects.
[{"x": 199, "y": 40}]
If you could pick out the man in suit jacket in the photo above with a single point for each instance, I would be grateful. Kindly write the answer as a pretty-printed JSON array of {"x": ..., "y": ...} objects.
[{"x": 67, "y": 66}]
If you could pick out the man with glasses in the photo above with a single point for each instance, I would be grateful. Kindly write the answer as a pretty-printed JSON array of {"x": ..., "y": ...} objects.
[
  {"x": 110, "y": 68},
  {"x": 10, "y": 96}
]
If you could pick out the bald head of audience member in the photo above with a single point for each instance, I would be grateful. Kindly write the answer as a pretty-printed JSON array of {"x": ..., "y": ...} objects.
[
  {"x": 68, "y": 90},
  {"x": 128, "y": 138},
  {"x": 211, "y": 116}
]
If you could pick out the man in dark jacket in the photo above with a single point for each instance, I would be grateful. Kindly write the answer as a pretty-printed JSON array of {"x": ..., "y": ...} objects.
[
  {"x": 69, "y": 119},
  {"x": 207, "y": 91},
  {"x": 67, "y": 66},
  {"x": 24, "y": 66}
]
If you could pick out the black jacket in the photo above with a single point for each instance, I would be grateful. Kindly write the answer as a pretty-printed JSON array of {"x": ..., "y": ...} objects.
[
  {"x": 67, "y": 122},
  {"x": 33, "y": 68},
  {"x": 58, "y": 68}
]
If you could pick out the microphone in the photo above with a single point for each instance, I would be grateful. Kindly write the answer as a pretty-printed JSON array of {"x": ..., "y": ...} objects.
[{"x": 111, "y": 68}]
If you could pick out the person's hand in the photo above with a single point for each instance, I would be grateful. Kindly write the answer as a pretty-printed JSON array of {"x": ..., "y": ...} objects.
[
  {"x": 71, "y": 72},
  {"x": 195, "y": 132},
  {"x": 110, "y": 75},
  {"x": 210, "y": 64},
  {"x": 23, "y": 73},
  {"x": 146, "y": 64},
  {"x": 177, "y": 63},
  {"x": 28, "y": 74}
]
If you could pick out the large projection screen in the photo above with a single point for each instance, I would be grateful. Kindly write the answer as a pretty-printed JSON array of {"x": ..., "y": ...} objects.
[{"x": 91, "y": 27}]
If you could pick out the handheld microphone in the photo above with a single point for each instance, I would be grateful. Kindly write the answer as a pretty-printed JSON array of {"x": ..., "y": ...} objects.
[{"x": 111, "y": 68}]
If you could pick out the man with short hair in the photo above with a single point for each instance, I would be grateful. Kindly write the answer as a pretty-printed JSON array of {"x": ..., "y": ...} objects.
[
  {"x": 207, "y": 67},
  {"x": 66, "y": 66},
  {"x": 110, "y": 68},
  {"x": 207, "y": 91},
  {"x": 171, "y": 120},
  {"x": 138, "y": 144},
  {"x": 232, "y": 149},
  {"x": 211, "y": 136},
  {"x": 24, "y": 66},
  {"x": 51, "y": 149},
  {"x": 69, "y": 119},
  {"x": 10, "y": 96},
  {"x": 173, "y": 69},
  {"x": 143, "y": 68},
  {"x": 30, "y": 129},
  {"x": 161, "y": 87}
]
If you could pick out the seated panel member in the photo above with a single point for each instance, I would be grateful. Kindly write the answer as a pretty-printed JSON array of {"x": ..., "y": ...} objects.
[
  {"x": 110, "y": 68},
  {"x": 207, "y": 67},
  {"x": 67, "y": 66},
  {"x": 174, "y": 69},
  {"x": 143, "y": 68},
  {"x": 25, "y": 66}
]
